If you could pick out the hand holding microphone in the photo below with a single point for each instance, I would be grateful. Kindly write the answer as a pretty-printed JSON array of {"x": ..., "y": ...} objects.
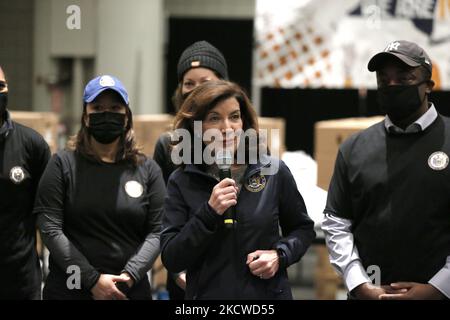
[{"x": 224, "y": 195}]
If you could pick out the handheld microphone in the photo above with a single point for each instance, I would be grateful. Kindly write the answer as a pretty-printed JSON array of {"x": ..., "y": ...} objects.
[{"x": 224, "y": 160}]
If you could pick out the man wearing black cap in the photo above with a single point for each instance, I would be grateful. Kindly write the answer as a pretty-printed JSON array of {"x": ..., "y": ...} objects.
[
  {"x": 388, "y": 207},
  {"x": 23, "y": 157}
]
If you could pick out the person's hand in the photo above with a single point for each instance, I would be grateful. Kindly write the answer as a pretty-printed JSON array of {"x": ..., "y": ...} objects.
[
  {"x": 223, "y": 196},
  {"x": 181, "y": 280},
  {"x": 105, "y": 288},
  {"x": 368, "y": 291},
  {"x": 130, "y": 281},
  {"x": 263, "y": 263},
  {"x": 413, "y": 291}
]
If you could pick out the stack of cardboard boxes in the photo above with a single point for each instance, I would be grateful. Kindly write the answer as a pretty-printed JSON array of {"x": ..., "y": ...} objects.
[
  {"x": 275, "y": 129},
  {"x": 148, "y": 128},
  {"x": 328, "y": 137}
]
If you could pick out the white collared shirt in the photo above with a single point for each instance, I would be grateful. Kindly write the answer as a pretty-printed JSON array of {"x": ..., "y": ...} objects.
[{"x": 419, "y": 125}]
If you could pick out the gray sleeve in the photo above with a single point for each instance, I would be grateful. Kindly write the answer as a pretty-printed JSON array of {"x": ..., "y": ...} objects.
[
  {"x": 144, "y": 259},
  {"x": 343, "y": 253},
  {"x": 62, "y": 250}
]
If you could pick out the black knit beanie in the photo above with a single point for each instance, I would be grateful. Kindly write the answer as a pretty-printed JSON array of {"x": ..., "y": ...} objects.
[{"x": 202, "y": 54}]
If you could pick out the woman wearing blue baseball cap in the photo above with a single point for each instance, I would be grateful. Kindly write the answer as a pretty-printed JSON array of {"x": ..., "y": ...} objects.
[{"x": 99, "y": 205}]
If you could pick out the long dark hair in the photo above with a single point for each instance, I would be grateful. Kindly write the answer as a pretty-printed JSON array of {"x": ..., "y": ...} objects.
[
  {"x": 128, "y": 148},
  {"x": 204, "y": 98}
]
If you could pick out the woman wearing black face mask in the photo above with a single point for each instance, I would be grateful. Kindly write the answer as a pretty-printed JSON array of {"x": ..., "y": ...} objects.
[
  {"x": 199, "y": 63},
  {"x": 99, "y": 205}
]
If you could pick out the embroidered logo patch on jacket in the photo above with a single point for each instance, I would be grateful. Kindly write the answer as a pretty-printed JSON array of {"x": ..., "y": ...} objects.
[{"x": 255, "y": 183}]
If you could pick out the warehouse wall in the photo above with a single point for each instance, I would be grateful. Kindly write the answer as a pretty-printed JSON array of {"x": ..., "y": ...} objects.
[
  {"x": 124, "y": 39},
  {"x": 211, "y": 8},
  {"x": 16, "y": 50}
]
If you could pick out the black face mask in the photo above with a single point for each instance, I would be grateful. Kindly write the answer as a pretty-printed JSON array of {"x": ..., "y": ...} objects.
[
  {"x": 106, "y": 127},
  {"x": 400, "y": 101},
  {"x": 3, "y": 103}
]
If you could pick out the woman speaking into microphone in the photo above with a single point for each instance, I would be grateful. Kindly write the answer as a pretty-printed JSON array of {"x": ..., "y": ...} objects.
[{"x": 249, "y": 259}]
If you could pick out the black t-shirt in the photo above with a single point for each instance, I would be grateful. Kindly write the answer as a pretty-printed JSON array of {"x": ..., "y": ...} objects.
[
  {"x": 23, "y": 157},
  {"x": 399, "y": 205},
  {"x": 102, "y": 217}
]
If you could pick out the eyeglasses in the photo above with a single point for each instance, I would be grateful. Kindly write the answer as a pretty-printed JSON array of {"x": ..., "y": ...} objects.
[{"x": 3, "y": 86}]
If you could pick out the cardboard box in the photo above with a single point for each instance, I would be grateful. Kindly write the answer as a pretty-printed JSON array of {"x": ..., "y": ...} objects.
[
  {"x": 326, "y": 279},
  {"x": 46, "y": 123},
  {"x": 328, "y": 137},
  {"x": 276, "y": 146},
  {"x": 148, "y": 128}
]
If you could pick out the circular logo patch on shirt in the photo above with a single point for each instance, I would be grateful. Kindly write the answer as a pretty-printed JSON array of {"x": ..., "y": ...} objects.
[
  {"x": 134, "y": 189},
  {"x": 438, "y": 161},
  {"x": 17, "y": 175},
  {"x": 255, "y": 183},
  {"x": 107, "y": 81}
]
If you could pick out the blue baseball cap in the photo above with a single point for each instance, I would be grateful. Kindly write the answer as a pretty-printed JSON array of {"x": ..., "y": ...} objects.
[{"x": 102, "y": 83}]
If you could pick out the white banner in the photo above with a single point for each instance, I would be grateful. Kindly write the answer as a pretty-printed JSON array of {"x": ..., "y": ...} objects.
[{"x": 328, "y": 43}]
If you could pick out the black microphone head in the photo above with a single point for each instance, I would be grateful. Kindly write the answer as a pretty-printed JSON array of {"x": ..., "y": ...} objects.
[{"x": 224, "y": 159}]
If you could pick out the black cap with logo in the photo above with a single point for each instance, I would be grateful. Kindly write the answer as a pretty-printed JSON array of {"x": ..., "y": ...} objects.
[{"x": 408, "y": 52}]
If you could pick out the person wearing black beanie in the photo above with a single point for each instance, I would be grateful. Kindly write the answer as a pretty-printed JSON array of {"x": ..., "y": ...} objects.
[
  {"x": 205, "y": 55},
  {"x": 199, "y": 63}
]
